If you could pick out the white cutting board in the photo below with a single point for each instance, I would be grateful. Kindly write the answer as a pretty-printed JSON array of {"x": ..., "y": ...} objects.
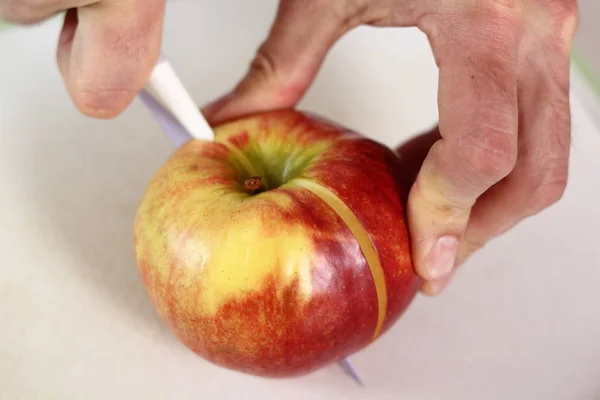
[{"x": 520, "y": 321}]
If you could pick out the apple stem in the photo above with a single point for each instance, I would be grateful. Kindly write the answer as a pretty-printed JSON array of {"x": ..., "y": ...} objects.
[{"x": 253, "y": 184}]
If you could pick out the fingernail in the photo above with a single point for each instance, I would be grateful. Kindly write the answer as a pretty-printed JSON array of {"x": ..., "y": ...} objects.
[{"x": 441, "y": 257}]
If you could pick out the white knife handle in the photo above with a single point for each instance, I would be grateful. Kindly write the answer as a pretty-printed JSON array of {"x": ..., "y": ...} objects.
[{"x": 166, "y": 87}]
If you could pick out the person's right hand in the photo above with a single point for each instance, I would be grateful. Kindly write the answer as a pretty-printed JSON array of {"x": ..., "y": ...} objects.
[{"x": 106, "y": 51}]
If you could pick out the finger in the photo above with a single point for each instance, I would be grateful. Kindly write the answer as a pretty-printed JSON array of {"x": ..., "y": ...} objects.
[
  {"x": 35, "y": 11},
  {"x": 478, "y": 125},
  {"x": 540, "y": 175},
  {"x": 286, "y": 63},
  {"x": 107, "y": 51}
]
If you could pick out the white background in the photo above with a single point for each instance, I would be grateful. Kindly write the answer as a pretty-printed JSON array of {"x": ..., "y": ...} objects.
[{"x": 520, "y": 321}]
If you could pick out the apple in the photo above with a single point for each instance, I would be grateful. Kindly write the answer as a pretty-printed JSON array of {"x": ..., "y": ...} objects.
[{"x": 279, "y": 247}]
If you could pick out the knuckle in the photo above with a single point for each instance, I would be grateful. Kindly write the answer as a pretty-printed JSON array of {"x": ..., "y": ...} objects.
[
  {"x": 263, "y": 72},
  {"x": 271, "y": 72},
  {"x": 263, "y": 65},
  {"x": 491, "y": 153}
]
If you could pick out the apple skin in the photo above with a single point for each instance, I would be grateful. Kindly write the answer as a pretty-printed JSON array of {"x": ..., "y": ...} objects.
[{"x": 285, "y": 280}]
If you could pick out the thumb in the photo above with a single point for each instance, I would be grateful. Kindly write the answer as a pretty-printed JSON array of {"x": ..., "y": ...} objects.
[
  {"x": 285, "y": 64},
  {"x": 106, "y": 52}
]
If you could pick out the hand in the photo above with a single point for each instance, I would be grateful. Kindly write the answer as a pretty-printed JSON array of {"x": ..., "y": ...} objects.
[
  {"x": 501, "y": 151},
  {"x": 106, "y": 50}
]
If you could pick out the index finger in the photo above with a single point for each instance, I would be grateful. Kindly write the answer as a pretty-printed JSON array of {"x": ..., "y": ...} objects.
[{"x": 477, "y": 57}]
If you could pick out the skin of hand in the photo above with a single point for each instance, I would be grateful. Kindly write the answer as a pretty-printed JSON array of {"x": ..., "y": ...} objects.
[
  {"x": 500, "y": 153},
  {"x": 106, "y": 50}
]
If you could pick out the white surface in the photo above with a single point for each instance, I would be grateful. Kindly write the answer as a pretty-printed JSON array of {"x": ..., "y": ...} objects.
[
  {"x": 520, "y": 321},
  {"x": 588, "y": 32}
]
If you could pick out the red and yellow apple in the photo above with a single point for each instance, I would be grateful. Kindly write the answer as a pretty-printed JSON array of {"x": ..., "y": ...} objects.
[{"x": 279, "y": 247}]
